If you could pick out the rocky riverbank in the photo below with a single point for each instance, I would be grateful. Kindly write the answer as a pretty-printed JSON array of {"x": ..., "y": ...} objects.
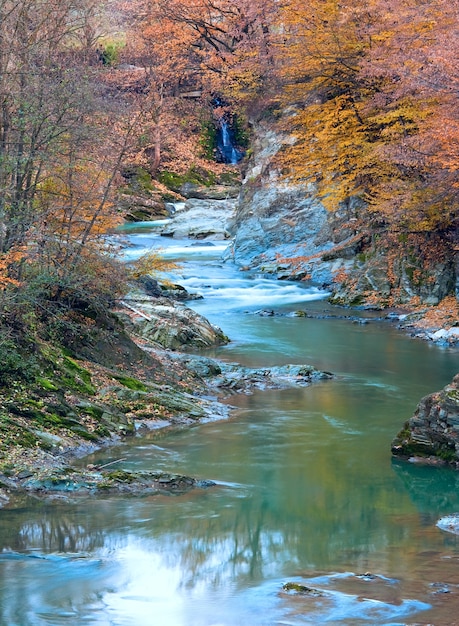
[
  {"x": 129, "y": 373},
  {"x": 284, "y": 230},
  {"x": 127, "y": 378}
]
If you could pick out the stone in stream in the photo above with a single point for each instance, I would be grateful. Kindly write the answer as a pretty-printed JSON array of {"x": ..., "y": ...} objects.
[
  {"x": 303, "y": 590},
  {"x": 236, "y": 378},
  {"x": 433, "y": 431},
  {"x": 172, "y": 325},
  {"x": 72, "y": 481},
  {"x": 449, "y": 523}
]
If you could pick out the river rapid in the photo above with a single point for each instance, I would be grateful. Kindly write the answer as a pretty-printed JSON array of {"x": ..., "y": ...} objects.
[{"x": 306, "y": 492}]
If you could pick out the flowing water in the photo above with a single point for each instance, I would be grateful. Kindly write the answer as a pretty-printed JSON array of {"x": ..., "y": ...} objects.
[{"x": 306, "y": 489}]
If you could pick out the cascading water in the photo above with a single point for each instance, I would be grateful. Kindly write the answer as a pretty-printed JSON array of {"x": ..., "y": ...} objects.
[{"x": 227, "y": 151}]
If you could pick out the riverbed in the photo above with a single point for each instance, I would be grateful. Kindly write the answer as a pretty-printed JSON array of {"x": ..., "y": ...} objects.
[{"x": 306, "y": 489}]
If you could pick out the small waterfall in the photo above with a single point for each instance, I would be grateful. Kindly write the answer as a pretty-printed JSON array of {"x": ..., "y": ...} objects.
[
  {"x": 225, "y": 135},
  {"x": 227, "y": 151}
]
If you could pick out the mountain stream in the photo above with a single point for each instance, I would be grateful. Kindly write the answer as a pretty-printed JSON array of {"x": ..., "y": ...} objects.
[{"x": 307, "y": 491}]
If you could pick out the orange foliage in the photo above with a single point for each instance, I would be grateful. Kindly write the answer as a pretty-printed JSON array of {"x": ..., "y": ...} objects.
[{"x": 376, "y": 112}]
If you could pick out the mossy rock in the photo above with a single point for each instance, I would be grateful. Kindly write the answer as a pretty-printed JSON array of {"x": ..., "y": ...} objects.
[
  {"x": 303, "y": 590},
  {"x": 121, "y": 476},
  {"x": 131, "y": 383},
  {"x": 47, "y": 384},
  {"x": 194, "y": 175},
  {"x": 76, "y": 377}
]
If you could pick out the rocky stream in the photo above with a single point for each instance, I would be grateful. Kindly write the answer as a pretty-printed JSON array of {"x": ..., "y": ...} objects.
[{"x": 264, "y": 492}]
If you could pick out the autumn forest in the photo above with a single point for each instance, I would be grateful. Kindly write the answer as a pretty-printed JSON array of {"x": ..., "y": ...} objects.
[
  {"x": 229, "y": 297},
  {"x": 91, "y": 91}
]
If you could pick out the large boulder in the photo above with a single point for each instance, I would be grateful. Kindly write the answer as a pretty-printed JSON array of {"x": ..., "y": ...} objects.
[
  {"x": 173, "y": 325},
  {"x": 201, "y": 219},
  {"x": 433, "y": 431}
]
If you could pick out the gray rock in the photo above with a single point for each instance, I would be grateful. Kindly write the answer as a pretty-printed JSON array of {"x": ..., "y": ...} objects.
[
  {"x": 236, "y": 378},
  {"x": 277, "y": 220},
  {"x": 173, "y": 325},
  {"x": 201, "y": 219},
  {"x": 213, "y": 192},
  {"x": 433, "y": 429},
  {"x": 283, "y": 229},
  {"x": 449, "y": 523}
]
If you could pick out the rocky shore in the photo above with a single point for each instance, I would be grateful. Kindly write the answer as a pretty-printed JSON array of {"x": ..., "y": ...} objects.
[{"x": 125, "y": 381}]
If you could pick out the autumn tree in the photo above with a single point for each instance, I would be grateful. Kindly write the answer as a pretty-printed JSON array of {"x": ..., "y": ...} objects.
[
  {"x": 375, "y": 115},
  {"x": 191, "y": 53},
  {"x": 414, "y": 62},
  {"x": 62, "y": 139},
  {"x": 227, "y": 43}
]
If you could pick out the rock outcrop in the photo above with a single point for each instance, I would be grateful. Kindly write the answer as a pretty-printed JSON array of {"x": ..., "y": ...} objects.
[
  {"x": 277, "y": 221},
  {"x": 171, "y": 324},
  {"x": 433, "y": 431},
  {"x": 201, "y": 219},
  {"x": 283, "y": 229}
]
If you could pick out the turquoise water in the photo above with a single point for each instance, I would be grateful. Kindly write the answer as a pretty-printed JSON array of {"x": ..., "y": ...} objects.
[{"x": 306, "y": 488}]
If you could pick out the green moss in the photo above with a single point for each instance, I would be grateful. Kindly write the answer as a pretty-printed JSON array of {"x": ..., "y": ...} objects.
[
  {"x": 85, "y": 434},
  {"x": 447, "y": 454},
  {"x": 241, "y": 135},
  {"x": 229, "y": 178},
  {"x": 102, "y": 431},
  {"x": 302, "y": 589},
  {"x": 16, "y": 364},
  {"x": 131, "y": 383},
  {"x": 121, "y": 476},
  {"x": 168, "y": 197},
  {"x": 104, "y": 485},
  {"x": 75, "y": 367},
  {"x": 109, "y": 55},
  {"x": 208, "y": 139},
  {"x": 47, "y": 384},
  {"x": 76, "y": 377},
  {"x": 357, "y": 301},
  {"x": 93, "y": 411},
  {"x": 197, "y": 176},
  {"x": 417, "y": 449},
  {"x": 14, "y": 434}
]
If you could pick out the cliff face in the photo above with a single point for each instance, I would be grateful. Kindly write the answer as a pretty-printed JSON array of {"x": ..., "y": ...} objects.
[
  {"x": 284, "y": 230},
  {"x": 434, "y": 428}
]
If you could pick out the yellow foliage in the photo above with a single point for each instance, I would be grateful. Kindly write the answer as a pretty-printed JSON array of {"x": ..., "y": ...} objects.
[{"x": 150, "y": 264}]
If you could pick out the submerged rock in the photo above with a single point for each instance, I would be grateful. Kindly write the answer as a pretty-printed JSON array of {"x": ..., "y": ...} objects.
[
  {"x": 236, "y": 378},
  {"x": 68, "y": 480},
  {"x": 303, "y": 590},
  {"x": 433, "y": 431}
]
